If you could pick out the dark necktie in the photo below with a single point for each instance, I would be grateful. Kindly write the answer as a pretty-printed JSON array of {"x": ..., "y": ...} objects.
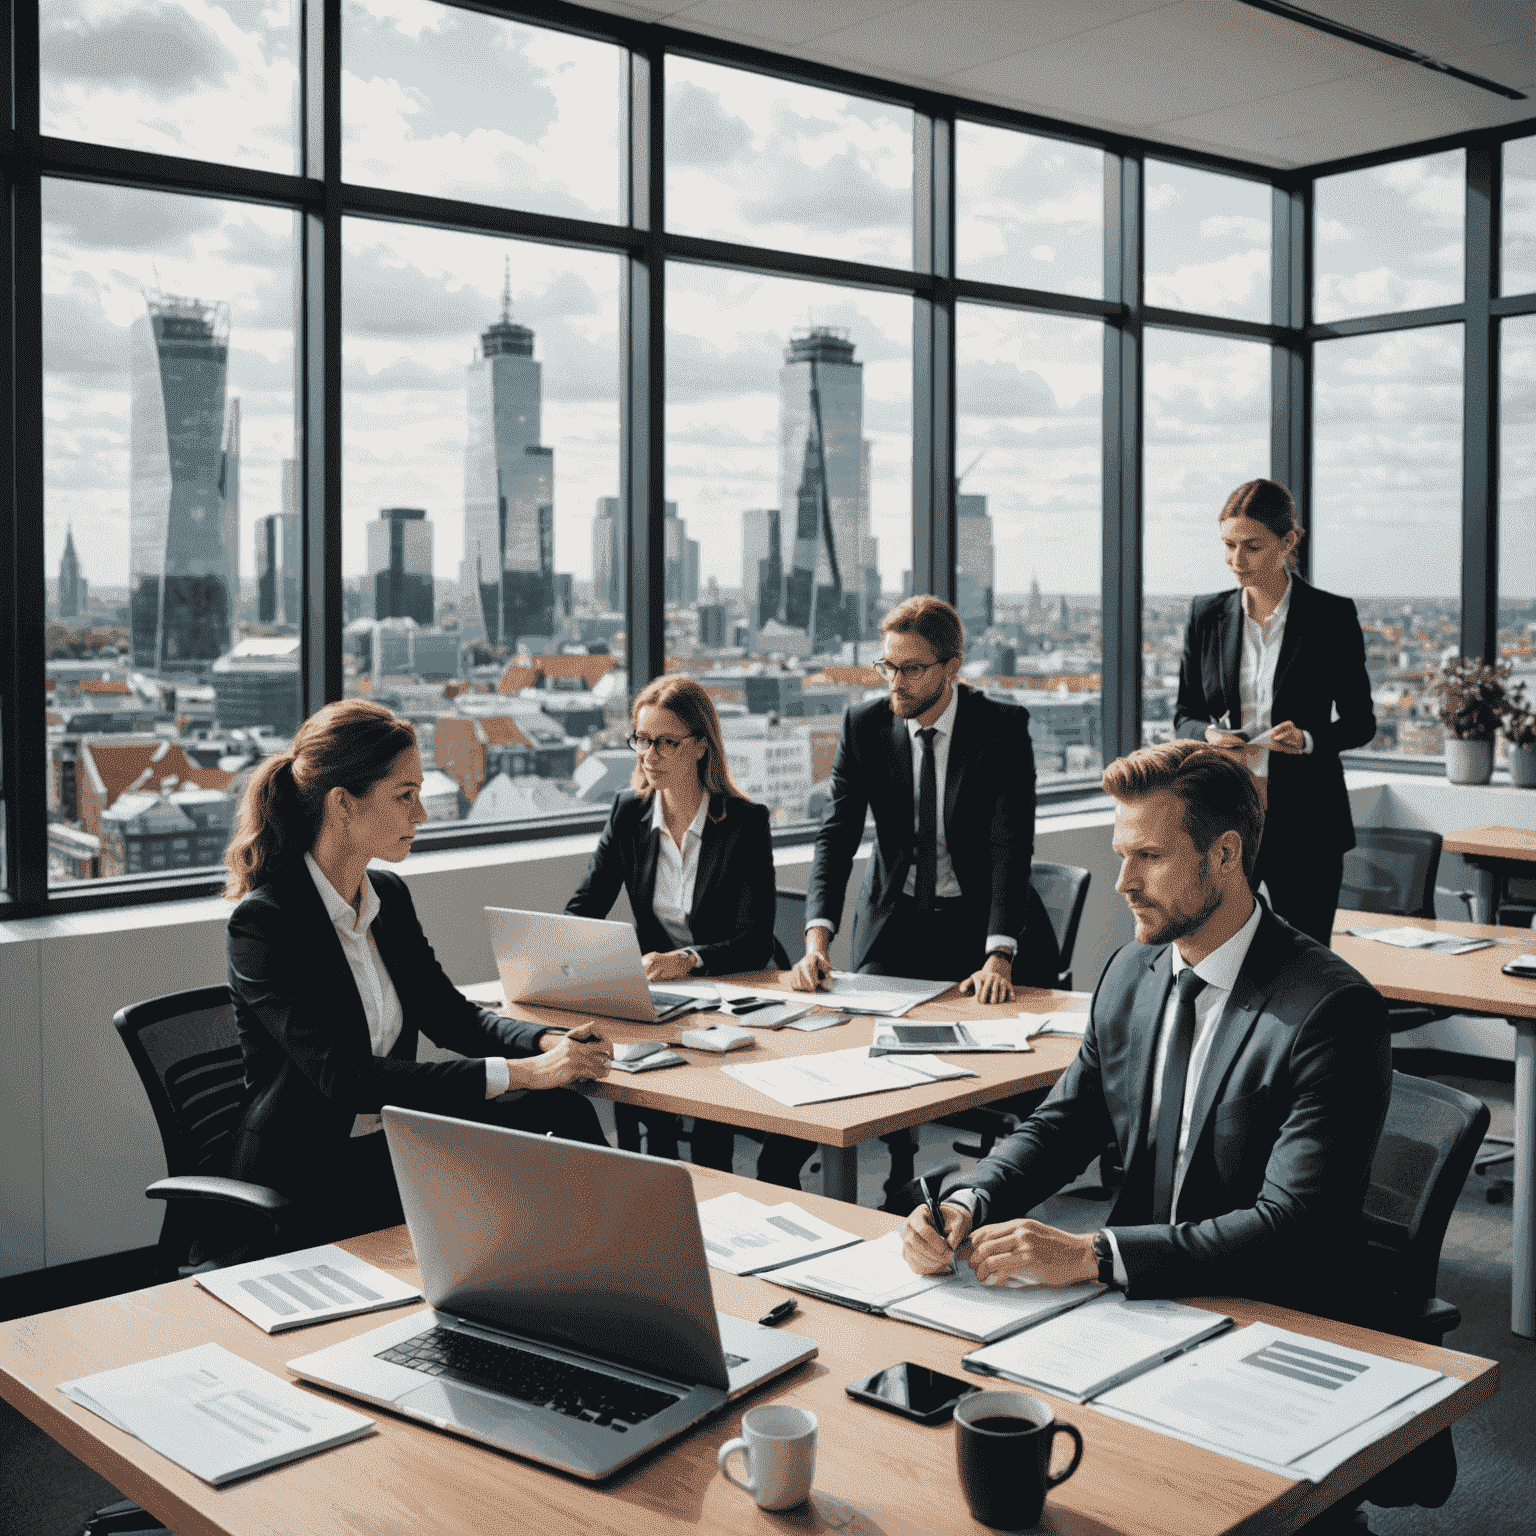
[
  {"x": 927, "y": 825},
  {"x": 1170, "y": 1108}
]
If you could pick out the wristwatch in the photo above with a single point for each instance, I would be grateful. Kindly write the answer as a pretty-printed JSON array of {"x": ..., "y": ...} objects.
[
  {"x": 1104, "y": 1255},
  {"x": 1006, "y": 954}
]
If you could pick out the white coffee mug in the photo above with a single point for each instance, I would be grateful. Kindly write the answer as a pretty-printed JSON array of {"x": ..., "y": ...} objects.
[{"x": 779, "y": 1444}]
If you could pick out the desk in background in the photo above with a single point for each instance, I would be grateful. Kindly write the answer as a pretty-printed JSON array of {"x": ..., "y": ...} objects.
[
  {"x": 876, "y": 1474},
  {"x": 701, "y": 1088},
  {"x": 1500, "y": 853},
  {"x": 1472, "y": 983}
]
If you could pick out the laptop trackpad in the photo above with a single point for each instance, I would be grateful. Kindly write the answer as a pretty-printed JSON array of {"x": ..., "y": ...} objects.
[{"x": 449, "y": 1405}]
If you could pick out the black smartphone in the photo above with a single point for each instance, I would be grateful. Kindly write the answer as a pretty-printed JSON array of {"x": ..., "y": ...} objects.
[{"x": 913, "y": 1391}]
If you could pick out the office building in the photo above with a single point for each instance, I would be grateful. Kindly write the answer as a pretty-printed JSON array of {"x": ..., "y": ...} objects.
[
  {"x": 832, "y": 586},
  {"x": 279, "y": 565},
  {"x": 257, "y": 684},
  {"x": 400, "y": 565},
  {"x": 184, "y": 485},
  {"x": 72, "y": 590},
  {"x": 974, "y": 559},
  {"x": 762, "y": 565},
  {"x": 608, "y": 546},
  {"x": 508, "y": 575},
  {"x": 680, "y": 555}
]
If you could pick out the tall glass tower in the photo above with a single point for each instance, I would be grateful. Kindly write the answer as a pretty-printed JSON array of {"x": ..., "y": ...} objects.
[
  {"x": 400, "y": 565},
  {"x": 974, "y": 566},
  {"x": 184, "y": 486},
  {"x": 832, "y": 580},
  {"x": 509, "y": 490}
]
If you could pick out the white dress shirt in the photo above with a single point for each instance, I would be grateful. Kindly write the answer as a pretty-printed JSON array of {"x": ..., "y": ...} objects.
[
  {"x": 381, "y": 1003},
  {"x": 677, "y": 872},
  {"x": 1262, "y": 639},
  {"x": 1219, "y": 971},
  {"x": 946, "y": 887}
]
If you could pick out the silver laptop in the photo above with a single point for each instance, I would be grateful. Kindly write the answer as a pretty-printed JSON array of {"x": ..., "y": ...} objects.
[
  {"x": 570, "y": 1314},
  {"x": 580, "y": 963}
]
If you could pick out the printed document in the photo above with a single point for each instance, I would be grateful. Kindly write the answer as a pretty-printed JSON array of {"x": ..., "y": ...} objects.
[
  {"x": 998, "y": 1036},
  {"x": 1098, "y": 1345},
  {"x": 1037, "y": 1024},
  {"x": 869, "y": 1276},
  {"x": 1411, "y": 937},
  {"x": 850, "y": 992},
  {"x": 312, "y": 1285},
  {"x": 744, "y": 1237},
  {"x": 850, "y": 1074},
  {"x": 1266, "y": 1393},
  {"x": 215, "y": 1414}
]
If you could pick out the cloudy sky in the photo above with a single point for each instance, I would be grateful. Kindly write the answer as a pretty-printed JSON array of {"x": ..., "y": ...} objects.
[{"x": 453, "y": 102}]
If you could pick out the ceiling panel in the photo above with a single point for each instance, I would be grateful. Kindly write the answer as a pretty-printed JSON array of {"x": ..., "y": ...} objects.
[{"x": 781, "y": 22}]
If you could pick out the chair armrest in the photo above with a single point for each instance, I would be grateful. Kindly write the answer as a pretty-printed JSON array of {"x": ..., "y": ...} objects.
[
  {"x": 1467, "y": 898},
  {"x": 198, "y": 1186}
]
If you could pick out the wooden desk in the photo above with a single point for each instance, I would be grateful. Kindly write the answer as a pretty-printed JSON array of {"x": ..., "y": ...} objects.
[
  {"x": 1501, "y": 852},
  {"x": 701, "y": 1088},
  {"x": 1472, "y": 984},
  {"x": 876, "y": 1474}
]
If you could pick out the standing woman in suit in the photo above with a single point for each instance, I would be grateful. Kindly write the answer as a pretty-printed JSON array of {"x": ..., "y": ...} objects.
[
  {"x": 333, "y": 979},
  {"x": 1281, "y": 656},
  {"x": 696, "y": 859}
]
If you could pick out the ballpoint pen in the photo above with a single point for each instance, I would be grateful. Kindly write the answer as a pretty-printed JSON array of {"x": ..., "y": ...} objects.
[
  {"x": 934, "y": 1214},
  {"x": 776, "y": 1315}
]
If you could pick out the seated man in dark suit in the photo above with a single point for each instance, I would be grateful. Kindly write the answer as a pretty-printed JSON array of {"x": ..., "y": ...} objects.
[{"x": 1242, "y": 1069}]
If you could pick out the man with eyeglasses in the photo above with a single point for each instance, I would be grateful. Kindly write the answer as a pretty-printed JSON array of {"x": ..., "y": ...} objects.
[{"x": 950, "y": 777}]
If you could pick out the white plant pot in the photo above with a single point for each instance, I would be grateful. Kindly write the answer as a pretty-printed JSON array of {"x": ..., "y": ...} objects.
[
  {"x": 1468, "y": 762},
  {"x": 1522, "y": 767}
]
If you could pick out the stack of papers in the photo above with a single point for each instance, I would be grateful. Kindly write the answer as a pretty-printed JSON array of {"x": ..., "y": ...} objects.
[
  {"x": 215, "y": 1414},
  {"x": 313, "y": 1285},
  {"x": 745, "y": 1237},
  {"x": 1073, "y": 1024},
  {"x": 1097, "y": 1346},
  {"x": 849, "y": 1074},
  {"x": 1293, "y": 1404},
  {"x": 850, "y": 992},
  {"x": 1411, "y": 937},
  {"x": 873, "y": 1277}
]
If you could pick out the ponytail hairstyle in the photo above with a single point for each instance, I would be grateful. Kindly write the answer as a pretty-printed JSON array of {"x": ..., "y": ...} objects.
[
  {"x": 1269, "y": 503},
  {"x": 686, "y": 699},
  {"x": 351, "y": 744}
]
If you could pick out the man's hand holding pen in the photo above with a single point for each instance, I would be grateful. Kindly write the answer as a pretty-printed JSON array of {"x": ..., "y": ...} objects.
[{"x": 577, "y": 1055}]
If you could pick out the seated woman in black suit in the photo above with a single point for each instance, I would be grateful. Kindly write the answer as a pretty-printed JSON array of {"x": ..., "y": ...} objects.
[
  {"x": 333, "y": 979},
  {"x": 696, "y": 858}
]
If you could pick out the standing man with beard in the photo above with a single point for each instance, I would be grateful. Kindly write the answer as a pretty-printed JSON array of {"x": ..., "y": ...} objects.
[
  {"x": 950, "y": 777},
  {"x": 1242, "y": 1068}
]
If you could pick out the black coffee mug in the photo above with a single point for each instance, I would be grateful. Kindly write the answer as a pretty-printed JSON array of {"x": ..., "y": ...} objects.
[{"x": 1003, "y": 1443}]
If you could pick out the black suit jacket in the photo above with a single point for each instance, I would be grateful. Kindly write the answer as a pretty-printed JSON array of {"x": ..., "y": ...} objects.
[
  {"x": 1321, "y": 667},
  {"x": 731, "y": 918},
  {"x": 989, "y": 823},
  {"x": 309, "y": 1062},
  {"x": 1286, "y": 1117}
]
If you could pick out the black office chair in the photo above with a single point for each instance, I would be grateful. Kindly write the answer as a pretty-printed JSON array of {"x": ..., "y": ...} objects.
[
  {"x": 788, "y": 928},
  {"x": 1063, "y": 891},
  {"x": 187, "y": 1053}
]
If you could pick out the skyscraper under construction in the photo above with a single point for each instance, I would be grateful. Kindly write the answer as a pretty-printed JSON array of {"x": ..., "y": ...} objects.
[
  {"x": 184, "y": 487},
  {"x": 831, "y": 575},
  {"x": 508, "y": 576}
]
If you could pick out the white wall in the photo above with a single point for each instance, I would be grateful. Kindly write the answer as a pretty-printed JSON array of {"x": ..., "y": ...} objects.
[{"x": 77, "y": 1140}]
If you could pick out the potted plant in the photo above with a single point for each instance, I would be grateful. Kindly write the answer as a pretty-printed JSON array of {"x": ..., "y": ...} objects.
[
  {"x": 1471, "y": 701},
  {"x": 1520, "y": 733}
]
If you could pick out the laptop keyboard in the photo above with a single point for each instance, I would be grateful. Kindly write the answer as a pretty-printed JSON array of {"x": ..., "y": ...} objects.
[{"x": 574, "y": 1390}]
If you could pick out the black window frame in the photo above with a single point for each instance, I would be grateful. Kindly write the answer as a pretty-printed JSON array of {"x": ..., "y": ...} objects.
[{"x": 320, "y": 199}]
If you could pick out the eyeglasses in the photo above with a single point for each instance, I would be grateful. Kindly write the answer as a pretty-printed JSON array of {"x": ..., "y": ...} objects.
[
  {"x": 665, "y": 745},
  {"x": 910, "y": 671}
]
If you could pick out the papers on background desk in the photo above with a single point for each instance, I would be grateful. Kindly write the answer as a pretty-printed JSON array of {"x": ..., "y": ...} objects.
[
  {"x": 1410, "y": 937},
  {"x": 997, "y": 1037},
  {"x": 850, "y": 1074},
  {"x": 890, "y": 996},
  {"x": 1097, "y": 1346},
  {"x": 215, "y": 1414},
  {"x": 1293, "y": 1404},
  {"x": 873, "y": 1277},
  {"x": 1069, "y": 1024},
  {"x": 744, "y": 1237},
  {"x": 313, "y": 1285}
]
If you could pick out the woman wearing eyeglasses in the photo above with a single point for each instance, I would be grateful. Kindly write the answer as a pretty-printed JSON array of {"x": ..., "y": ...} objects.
[{"x": 696, "y": 859}]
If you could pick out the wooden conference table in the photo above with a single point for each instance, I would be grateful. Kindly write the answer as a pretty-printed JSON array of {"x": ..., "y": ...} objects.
[
  {"x": 1502, "y": 853},
  {"x": 876, "y": 1474},
  {"x": 1472, "y": 983},
  {"x": 701, "y": 1088}
]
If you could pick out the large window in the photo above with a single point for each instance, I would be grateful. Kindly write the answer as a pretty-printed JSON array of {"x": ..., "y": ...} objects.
[
  {"x": 1207, "y": 431},
  {"x": 168, "y": 378},
  {"x": 1517, "y": 498},
  {"x": 1386, "y": 489},
  {"x": 1518, "y": 268},
  {"x": 481, "y": 431},
  {"x": 1029, "y": 454},
  {"x": 1208, "y": 240},
  {"x": 789, "y": 510}
]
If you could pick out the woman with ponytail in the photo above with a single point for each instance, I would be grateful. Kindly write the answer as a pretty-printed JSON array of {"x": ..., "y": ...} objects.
[{"x": 333, "y": 980}]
